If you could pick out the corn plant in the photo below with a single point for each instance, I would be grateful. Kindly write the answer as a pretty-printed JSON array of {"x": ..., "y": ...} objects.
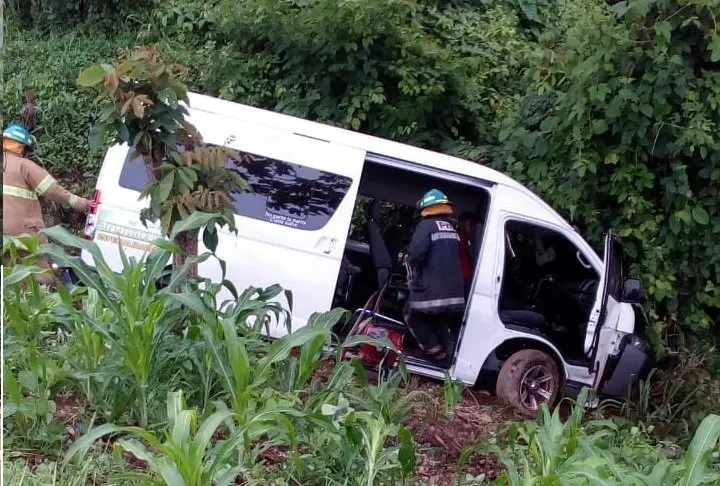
[
  {"x": 241, "y": 378},
  {"x": 354, "y": 446},
  {"x": 249, "y": 312},
  {"x": 451, "y": 393},
  {"x": 570, "y": 452},
  {"x": 387, "y": 399},
  {"x": 185, "y": 453},
  {"x": 87, "y": 351},
  {"x": 693, "y": 470},
  {"x": 31, "y": 374},
  {"x": 28, "y": 306},
  {"x": 557, "y": 452},
  {"x": 302, "y": 367},
  {"x": 132, "y": 317}
]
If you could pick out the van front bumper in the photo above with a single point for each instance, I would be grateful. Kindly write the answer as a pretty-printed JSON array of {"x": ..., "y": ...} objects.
[{"x": 625, "y": 370}]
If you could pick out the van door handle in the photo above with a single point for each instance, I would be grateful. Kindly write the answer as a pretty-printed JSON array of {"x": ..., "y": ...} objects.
[{"x": 327, "y": 244}]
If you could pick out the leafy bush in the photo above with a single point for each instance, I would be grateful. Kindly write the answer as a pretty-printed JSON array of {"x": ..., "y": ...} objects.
[
  {"x": 617, "y": 128},
  {"x": 675, "y": 400},
  {"x": 49, "y": 63},
  {"x": 52, "y": 13},
  {"x": 606, "y": 110},
  {"x": 553, "y": 451}
]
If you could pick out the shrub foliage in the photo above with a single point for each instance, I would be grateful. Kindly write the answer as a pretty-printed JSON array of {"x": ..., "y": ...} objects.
[{"x": 608, "y": 110}]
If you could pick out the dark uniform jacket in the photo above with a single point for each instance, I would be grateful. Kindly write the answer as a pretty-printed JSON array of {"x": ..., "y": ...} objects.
[{"x": 437, "y": 283}]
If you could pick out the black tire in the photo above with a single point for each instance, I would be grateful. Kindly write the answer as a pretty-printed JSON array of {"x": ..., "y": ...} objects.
[{"x": 529, "y": 377}]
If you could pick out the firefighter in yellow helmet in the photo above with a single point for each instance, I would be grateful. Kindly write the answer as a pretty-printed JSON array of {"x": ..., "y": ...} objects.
[{"x": 24, "y": 182}]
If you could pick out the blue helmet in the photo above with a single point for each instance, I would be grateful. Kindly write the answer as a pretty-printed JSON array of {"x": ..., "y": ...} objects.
[
  {"x": 431, "y": 198},
  {"x": 20, "y": 134}
]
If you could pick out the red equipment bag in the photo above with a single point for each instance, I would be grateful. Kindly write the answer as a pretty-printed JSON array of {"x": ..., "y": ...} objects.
[{"x": 374, "y": 354}]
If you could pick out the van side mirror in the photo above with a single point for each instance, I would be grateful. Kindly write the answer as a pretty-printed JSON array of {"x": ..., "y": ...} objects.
[{"x": 632, "y": 290}]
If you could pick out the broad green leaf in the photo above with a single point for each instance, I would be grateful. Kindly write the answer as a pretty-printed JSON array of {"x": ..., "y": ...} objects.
[
  {"x": 229, "y": 477},
  {"x": 138, "y": 450},
  {"x": 238, "y": 357},
  {"x": 684, "y": 216},
  {"x": 91, "y": 76},
  {"x": 81, "y": 445},
  {"x": 698, "y": 453},
  {"x": 182, "y": 426},
  {"x": 170, "y": 473},
  {"x": 357, "y": 340},
  {"x": 599, "y": 126},
  {"x": 663, "y": 31},
  {"x": 700, "y": 216},
  {"x": 714, "y": 48},
  {"x": 174, "y": 405},
  {"x": 406, "y": 453},
  {"x": 327, "y": 320},
  {"x": 165, "y": 187},
  {"x": 210, "y": 238},
  {"x": 675, "y": 225},
  {"x": 280, "y": 349},
  {"x": 96, "y": 137},
  {"x": 197, "y": 220},
  {"x": 208, "y": 428},
  {"x": 20, "y": 273}
]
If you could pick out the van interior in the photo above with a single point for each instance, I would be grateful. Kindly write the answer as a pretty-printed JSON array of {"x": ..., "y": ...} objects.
[
  {"x": 548, "y": 287},
  {"x": 383, "y": 223}
]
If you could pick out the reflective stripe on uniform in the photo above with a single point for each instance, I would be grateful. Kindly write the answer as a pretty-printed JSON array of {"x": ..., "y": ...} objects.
[
  {"x": 429, "y": 304},
  {"x": 444, "y": 236},
  {"x": 9, "y": 190},
  {"x": 44, "y": 185}
]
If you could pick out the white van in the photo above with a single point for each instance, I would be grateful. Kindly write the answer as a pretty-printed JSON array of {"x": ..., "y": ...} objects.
[{"x": 545, "y": 315}]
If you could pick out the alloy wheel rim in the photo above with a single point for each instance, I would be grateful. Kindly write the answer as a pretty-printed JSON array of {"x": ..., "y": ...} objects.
[{"x": 536, "y": 387}]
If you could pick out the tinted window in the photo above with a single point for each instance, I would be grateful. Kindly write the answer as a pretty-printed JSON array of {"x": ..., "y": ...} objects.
[
  {"x": 282, "y": 193},
  {"x": 134, "y": 174},
  {"x": 616, "y": 272},
  {"x": 288, "y": 194}
]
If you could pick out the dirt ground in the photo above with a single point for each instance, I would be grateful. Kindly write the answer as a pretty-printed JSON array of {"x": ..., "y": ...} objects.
[{"x": 441, "y": 438}]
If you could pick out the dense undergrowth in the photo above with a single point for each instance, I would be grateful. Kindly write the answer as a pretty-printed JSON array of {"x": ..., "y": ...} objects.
[
  {"x": 120, "y": 381},
  {"x": 610, "y": 111}
]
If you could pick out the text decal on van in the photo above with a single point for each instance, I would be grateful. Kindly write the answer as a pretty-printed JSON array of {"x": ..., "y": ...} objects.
[{"x": 139, "y": 239}]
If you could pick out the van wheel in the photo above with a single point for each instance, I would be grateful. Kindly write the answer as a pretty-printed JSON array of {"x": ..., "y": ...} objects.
[{"x": 528, "y": 379}]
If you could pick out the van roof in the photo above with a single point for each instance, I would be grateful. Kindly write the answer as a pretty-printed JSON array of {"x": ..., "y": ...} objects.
[
  {"x": 368, "y": 143},
  {"x": 349, "y": 138}
]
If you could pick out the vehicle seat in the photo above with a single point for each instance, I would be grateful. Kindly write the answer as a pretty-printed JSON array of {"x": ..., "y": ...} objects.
[
  {"x": 378, "y": 249},
  {"x": 524, "y": 318}
]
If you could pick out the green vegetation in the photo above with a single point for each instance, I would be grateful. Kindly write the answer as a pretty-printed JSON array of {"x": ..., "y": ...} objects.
[
  {"x": 127, "y": 350},
  {"x": 164, "y": 386},
  {"x": 609, "y": 111}
]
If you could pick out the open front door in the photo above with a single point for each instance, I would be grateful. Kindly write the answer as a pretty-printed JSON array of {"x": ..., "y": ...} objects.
[{"x": 609, "y": 314}]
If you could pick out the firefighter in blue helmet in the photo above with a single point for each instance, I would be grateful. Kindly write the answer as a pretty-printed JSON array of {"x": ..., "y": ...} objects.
[{"x": 437, "y": 298}]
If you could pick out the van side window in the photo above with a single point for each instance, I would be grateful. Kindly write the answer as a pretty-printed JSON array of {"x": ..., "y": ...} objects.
[
  {"x": 134, "y": 174},
  {"x": 282, "y": 193},
  {"x": 288, "y": 194}
]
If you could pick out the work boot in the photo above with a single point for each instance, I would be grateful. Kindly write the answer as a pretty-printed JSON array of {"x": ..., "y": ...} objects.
[{"x": 436, "y": 353}]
